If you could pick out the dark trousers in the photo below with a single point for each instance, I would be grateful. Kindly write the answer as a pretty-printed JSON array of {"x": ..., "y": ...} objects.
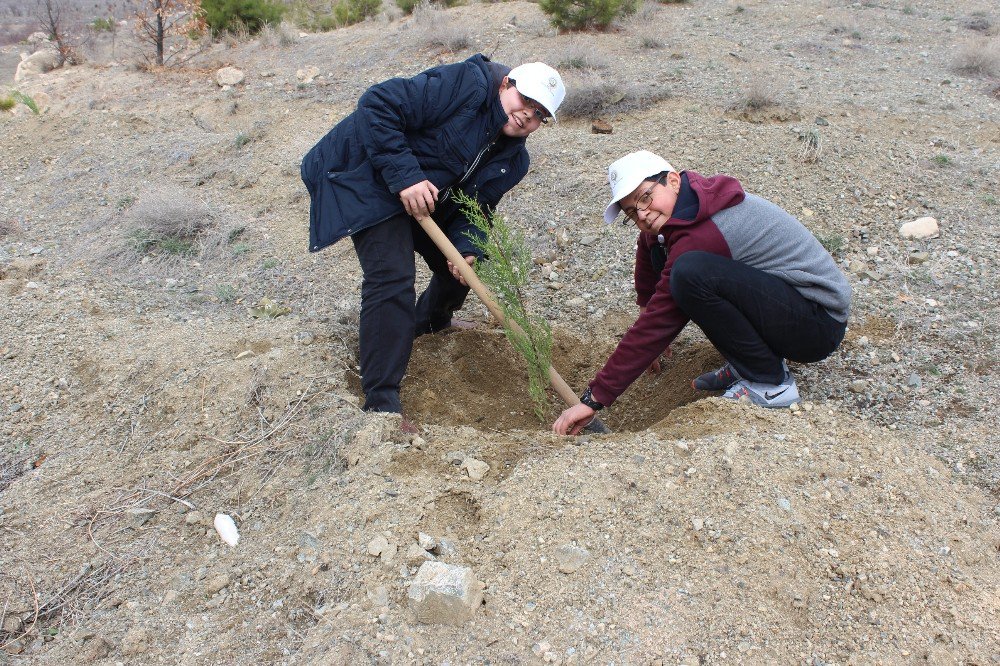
[
  {"x": 390, "y": 317},
  {"x": 753, "y": 318}
]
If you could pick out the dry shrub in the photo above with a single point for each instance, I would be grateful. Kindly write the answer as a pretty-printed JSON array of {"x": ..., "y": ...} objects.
[
  {"x": 281, "y": 35},
  {"x": 979, "y": 58},
  {"x": 435, "y": 29},
  {"x": 594, "y": 96},
  {"x": 580, "y": 57},
  {"x": 758, "y": 96},
  {"x": 169, "y": 212},
  {"x": 977, "y": 21}
]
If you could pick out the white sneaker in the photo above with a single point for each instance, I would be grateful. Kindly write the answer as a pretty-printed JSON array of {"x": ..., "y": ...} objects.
[{"x": 766, "y": 395}]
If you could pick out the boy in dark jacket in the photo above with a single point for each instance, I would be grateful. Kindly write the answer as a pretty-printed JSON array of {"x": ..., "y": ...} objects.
[
  {"x": 398, "y": 157},
  {"x": 753, "y": 278}
]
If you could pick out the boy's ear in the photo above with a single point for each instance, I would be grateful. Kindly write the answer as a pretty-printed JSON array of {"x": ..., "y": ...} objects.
[
  {"x": 674, "y": 179},
  {"x": 505, "y": 83}
]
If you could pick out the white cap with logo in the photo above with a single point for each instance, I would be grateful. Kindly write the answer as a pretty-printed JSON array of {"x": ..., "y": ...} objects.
[
  {"x": 541, "y": 83},
  {"x": 625, "y": 174}
]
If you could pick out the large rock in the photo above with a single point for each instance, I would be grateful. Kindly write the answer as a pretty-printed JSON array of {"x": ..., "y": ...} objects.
[
  {"x": 922, "y": 227},
  {"x": 445, "y": 594},
  {"x": 39, "y": 62},
  {"x": 229, "y": 76}
]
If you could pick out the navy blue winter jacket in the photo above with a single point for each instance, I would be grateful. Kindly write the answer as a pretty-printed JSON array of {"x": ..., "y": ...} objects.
[{"x": 430, "y": 127}]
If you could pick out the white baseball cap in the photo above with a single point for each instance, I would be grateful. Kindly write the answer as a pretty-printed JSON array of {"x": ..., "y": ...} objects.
[
  {"x": 541, "y": 83},
  {"x": 626, "y": 173}
]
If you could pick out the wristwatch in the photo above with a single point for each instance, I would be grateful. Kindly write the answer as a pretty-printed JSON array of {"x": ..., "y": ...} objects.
[{"x": 588, "y": 399}]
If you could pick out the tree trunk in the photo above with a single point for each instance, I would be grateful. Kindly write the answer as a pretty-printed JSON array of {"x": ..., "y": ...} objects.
[{"x": 159, "y": 38}]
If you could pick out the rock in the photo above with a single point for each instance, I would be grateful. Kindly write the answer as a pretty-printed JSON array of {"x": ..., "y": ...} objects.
[
  {"x": 304, "y": 338},
  {"x": 914, "y": 381},
  {"x": 589, "y": 240},
  {"x": 923, "y": 227},
  {"x": 216, "y": 583},
  {"x": 39, "y": 62},
  {"x": 415, "y": 554},
  {"x": 698, "y": 524},
  {"x": 444, "y": 594},
  {"x": 784, "y": 504},
  {"x": 141, "y": 516},
  {"x": 917, "y": 258},
  {"x": 600, "y": 126},
  {"x": 859, "y": 386},
  {"x": 377, "y": 545},
  {"x": 379, "y": 596},
  {"x": 426, "y": 541},
  {"x": 476, "y": 469},
  {"x": 307, "y": 74},
  {"x": 570, "y": 558},
  {"x": 95, "y": 649},
  {"x": 576, "y": 302},
  {"x": 136, "y": 641},
  {"x": 229, "y": 76}
]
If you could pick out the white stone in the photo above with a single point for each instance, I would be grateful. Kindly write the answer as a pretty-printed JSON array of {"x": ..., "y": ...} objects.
[
  {"x": 229, "y": 76},
  {"x": 39, "y": 62},
  {"x": 477, "y": 469},
  {"x": 923, "y": 227},
  {"x": 426, "y": 541},
  {"x": 307, "y": 74},
  {"x": 377, "y": 545},
  {"x": 416, "y": 554},
  {"x": 444, "y": 594},
  {"x": 570, "y": 558}
]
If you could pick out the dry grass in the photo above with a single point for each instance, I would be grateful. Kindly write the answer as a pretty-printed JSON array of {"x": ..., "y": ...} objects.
[
  {"x": 436, "y": 29},
  {"x": 757, "y": 96},
  {"x": 580, "y": 57},
  {"x": 282, "y": 35},
  {"x": 979, "y": 58},
  {"x": 594, "y": 96},
  {"x": 8, "y": 227}
]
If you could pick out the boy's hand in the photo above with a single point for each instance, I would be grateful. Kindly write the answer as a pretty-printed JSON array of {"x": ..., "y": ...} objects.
[
  {"x": 471, "y": 260},
  {"x": 573, "y": 420},
  {"x": 418, "y": 199}
]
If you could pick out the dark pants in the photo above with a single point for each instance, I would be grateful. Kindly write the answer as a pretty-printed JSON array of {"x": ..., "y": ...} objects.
[
  {"x": 754, "y": 319},
  {"x": 389, "y": 317}
]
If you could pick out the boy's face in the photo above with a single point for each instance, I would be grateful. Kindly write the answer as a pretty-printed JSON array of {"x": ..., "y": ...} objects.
[
  {"x": 524, "y": 115},
  {"x": 652, "y": 203}
]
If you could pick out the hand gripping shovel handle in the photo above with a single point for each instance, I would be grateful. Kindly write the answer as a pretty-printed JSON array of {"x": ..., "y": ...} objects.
[{"x": 482, "y": 291}]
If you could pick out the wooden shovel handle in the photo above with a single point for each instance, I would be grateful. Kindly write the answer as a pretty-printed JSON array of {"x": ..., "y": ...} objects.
[{"x": 482, "y": 291}]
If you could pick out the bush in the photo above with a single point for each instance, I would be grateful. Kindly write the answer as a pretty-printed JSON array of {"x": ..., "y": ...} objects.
[
  {"x": 7, "y": 103},
  {"x": 595, "y": 96},
  {"x": 103, "y": 25},
  {"x": 586, "y": 14},
  {"x": 231, "y": 15},
  {"x": 981, "y": 57},
  {"x": 348, "y": 12}
]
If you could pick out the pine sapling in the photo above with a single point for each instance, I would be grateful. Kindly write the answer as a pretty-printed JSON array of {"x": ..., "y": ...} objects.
[{"x": 506, "y": 274}]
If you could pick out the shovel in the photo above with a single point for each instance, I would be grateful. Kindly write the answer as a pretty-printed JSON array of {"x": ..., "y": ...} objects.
[{"x": 451, "y": 253}]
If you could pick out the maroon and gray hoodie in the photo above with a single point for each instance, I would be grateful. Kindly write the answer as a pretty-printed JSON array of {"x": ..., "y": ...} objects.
[{"x": 723, "y": 220}]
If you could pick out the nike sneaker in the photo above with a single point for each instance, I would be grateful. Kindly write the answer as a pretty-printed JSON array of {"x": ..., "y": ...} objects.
[{"x": 765, "y": 395}]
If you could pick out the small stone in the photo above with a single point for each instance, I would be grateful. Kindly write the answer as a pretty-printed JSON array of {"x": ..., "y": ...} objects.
[
  {"x": 136, "y": 641},
  {"x": 698, "y": 524},
  {"x": 570, "y": 558},
  {"x": 216, "y": 583},
  {"x": 576, "y": 302},
  {"x": 444, "y": 594},
  {"x": 859, "y": 386},
  {"x": 229, "y": 76},
  {"x": 426, "y": 541},
  {"x": 95, "y": 649},
  {"x": 914, "y": 381},
  {"x": 601, "y": 126},
  {"x": 476, "y": 469},
  {"x": 916, "y": 258},
  {"x": 377, "y": 545},
  {"x": 141, "y": 516},
  {"x": 784, "y": 504},
  {"x": 379, "y": 596},
  {"x": 414, "y": 554},
  {"x": 303, "y": 338},
  {"x": 923, "y": 227},
  {"x": 307, "y": 74},
  {"x": 587, "y": 241}
]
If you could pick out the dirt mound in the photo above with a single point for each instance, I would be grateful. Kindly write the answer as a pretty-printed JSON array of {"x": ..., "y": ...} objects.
[{"x": 474, "y": 377}]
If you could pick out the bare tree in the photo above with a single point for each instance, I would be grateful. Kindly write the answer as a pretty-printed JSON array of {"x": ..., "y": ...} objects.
[
  {"x": 49, "y": 14},
  {"x": 160, "y": 20}
]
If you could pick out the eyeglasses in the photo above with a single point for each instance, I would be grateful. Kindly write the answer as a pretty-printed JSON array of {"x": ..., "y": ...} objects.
[
  {"x": 531, "y": 104},
  {"x": 641, "y": 203}
]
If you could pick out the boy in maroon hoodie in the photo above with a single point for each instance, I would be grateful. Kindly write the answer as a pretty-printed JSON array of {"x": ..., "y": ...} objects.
[{"x": 750, "y": 275}]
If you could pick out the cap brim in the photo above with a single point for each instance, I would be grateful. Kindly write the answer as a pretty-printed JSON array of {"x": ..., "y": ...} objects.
[{"x": 612, "y": 212}]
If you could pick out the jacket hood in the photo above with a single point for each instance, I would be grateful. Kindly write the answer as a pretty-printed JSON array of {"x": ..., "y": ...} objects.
[{"x": 701, "y": 198}]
